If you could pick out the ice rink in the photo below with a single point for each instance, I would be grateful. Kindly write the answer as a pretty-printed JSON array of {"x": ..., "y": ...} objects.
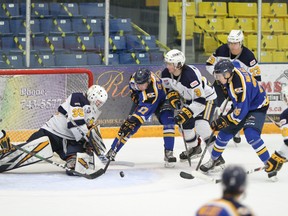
[{"x": 148, "y": 189}]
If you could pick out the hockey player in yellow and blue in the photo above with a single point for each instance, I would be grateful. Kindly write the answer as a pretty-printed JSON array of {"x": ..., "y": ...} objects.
[
  {"x": 234, "y": 180},
  {"x": 150, "y": 96},
  {"x": 250, "y": 105}
]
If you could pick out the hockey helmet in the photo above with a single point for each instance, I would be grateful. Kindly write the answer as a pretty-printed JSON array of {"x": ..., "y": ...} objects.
[
  {"x": 97, "y": 95},
  {"x": 224, "y": 67},
  {"x": 142, "y": 75},
  {"x": 284, "y": 92},
  {"x": 234, "y": 180},
  {"x": 176, "y": 57},
  {"x": 235, "y": 36}
]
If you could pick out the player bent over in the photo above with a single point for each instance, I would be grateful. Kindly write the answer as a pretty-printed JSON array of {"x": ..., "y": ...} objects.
[
  {"x": 150, "y": 96},
  {"x": 70, "y": 131},
  {"x": 250, "y": 105},
  {"x": 277, "y": 159},
  {"x": 193, "y": 98}
]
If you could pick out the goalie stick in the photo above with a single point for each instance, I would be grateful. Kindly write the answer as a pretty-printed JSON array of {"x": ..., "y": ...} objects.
[{"x": 87, "y": 176}]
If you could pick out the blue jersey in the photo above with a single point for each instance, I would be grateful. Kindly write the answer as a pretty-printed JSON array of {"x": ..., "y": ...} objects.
[
  {"x": 224, "y": 207},
  {"x": 150, "y": 99},
  {"x": 246, "y": 95},
  {"x": 284, "y": 126}
]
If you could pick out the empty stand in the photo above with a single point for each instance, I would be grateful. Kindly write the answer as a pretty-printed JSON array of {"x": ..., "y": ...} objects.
[
  {"x": 272, "y": 25},
  {"x": 79, "y": 43},
  {"x": 246, "y": 24},
  {"x": 157, "y": 58},
  {"x": 38, "y": 10},
  {"x": 210, "y": 25},
  {"x": 72, "y": 59},
  {"x": 92, "y": 9},
  {"x": 117, "y": 43},
  {"x": 12, "y": 61},
  {"x": 141, "y": 43},
  {"x": 282, "y": 42},
  {"x": 18, "y": 26},
  {"x": 61, "y": 26},
  {"x": 134, "y": 58},
  {"x": 4, "y": 27},
  {"x": 189, "y": 26},
  {"x": 13, "y": 44},
  {"x": 265, "y": 56},
  {"x": 64, "y": 9},
  {"x": 215, "y": 9},
  {"x": 236, "y": 9},
  {"x": 274, "y": 10},
  {"x": 89, "y": 26},
  {"x": 175, "y": 9},
  {"x": 268, "y": 42},
  {"x": 279, "y": 56},
  {"x": 44, "y": 43},
  {"x": 94, "y": 59},
  {"x": 42, "y": 60},
  {"x": 120, "y": 26},
  {"x": 9, "y": 10}
]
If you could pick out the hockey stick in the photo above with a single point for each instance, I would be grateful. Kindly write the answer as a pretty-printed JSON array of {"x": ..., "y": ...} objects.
[
  {"x": 204, "y": 177},
  {"x": 87, "y": 176},
  {"x": 114, "y": 150},
  {"x": 210, "y": 138},
  {"x": 185, "y": 144},
  {"x": 274, "y": 122}
]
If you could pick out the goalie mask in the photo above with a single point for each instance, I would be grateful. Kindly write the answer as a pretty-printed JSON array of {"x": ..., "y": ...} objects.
[
  {"x": 97, "y": 95},
  {"x": 176, "y": 57}
]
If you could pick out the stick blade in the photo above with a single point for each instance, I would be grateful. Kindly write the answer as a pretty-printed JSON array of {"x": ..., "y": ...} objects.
[
  {"x": 186, "y": 175},
  {"x": 94, "y": 175}
]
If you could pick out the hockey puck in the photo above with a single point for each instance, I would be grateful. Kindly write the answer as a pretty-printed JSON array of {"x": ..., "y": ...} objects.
[{"x": 121, "y": 174}]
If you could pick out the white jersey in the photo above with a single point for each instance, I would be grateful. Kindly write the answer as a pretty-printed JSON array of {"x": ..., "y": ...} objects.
[
  {"x": 191, "y": 86},
  {"x": 75, "y": 110}
]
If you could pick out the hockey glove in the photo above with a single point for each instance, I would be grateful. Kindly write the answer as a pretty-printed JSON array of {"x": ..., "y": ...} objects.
[
  {"x": 134, "y": 97},
  {"x": 275, "y": 162},
  {"x": 183, "y": 116},
  {"x": 174, "y": 99},
  {"x": 220, "y": 123},
  {"x": 5, "y": 145},
  {"x": 126, "y": 128}
]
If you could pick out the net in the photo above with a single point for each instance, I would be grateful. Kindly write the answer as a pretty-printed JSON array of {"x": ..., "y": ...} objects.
[{"x": 29, "y": 97}]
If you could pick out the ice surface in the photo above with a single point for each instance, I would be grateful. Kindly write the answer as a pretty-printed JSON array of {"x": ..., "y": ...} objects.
[{"x": 148, "y": 189}]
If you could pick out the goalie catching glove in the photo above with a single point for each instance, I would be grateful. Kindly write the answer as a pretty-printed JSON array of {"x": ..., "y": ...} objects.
[
  {"x": 275, "y": 162},
  {"x": 183, "y": 116},
  {"x": 95, "y": 141},
  {"x": 220, "y": 123},
  {"x": 174, "y": 99},
  {"x": 5, "y": 145},
  {"x": 126, "y": 128}
]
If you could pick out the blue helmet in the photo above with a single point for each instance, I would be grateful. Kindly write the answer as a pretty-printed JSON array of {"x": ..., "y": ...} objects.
[
  {"x": 234, "y": 180},
  {"x": 142, "y": 75},
  {"x": 224, "y": 67}
]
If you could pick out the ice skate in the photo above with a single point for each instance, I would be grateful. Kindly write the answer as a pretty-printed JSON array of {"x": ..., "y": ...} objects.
[
  {"x": 169, "y": 159},
  {"x": 213, "y": 165},
  {"x": 194, "y": 152}
]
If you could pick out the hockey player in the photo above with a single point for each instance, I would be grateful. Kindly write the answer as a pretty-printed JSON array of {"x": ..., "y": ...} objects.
[
  {"x": 236, "y": 52},
  {"x": 70, "y": 131},
  {"x": 150, "y": 96},
  {"x": 277, "y": 159},
  {"x": 193, "y": 97},
  {"x": 250, "y": 105},
  {"x": 234, "y": 185}
]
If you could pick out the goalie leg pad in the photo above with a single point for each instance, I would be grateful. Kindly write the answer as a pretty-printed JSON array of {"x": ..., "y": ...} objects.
[{"x": 17, "y": 158}]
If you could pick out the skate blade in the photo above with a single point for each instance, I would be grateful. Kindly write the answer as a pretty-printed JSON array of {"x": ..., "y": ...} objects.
[{"x": 169, "y": 165}]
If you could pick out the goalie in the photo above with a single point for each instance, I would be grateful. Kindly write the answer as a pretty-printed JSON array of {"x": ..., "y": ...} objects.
[{"x": 71, "y": 132}]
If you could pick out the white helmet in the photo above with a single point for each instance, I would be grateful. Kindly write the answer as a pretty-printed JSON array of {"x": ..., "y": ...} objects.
[
  {"x": 97, "y": 95},
  {"x": 284, "y": 92},
  {"x": 236, "y": 36},
  {"x": 176, "y": 57}
]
